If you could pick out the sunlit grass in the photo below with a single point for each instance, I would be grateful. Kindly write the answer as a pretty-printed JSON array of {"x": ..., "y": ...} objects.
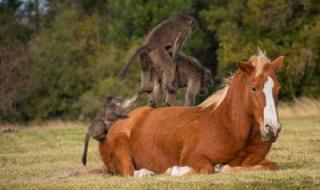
[
  {"x": 301, "y": 107},
  {"x": 40, "y": 157}
]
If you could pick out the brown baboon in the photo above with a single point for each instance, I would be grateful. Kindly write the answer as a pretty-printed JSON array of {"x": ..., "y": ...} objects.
[
  {"x": 114, "y": 109},
  {"x": 171, "y": 33},
  {"x": 189, "y": 73}
]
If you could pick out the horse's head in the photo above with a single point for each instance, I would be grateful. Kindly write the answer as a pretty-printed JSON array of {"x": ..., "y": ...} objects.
[{"x": 262, "y": 89}]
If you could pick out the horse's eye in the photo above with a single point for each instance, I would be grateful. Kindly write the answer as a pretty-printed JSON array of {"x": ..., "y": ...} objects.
[{"x": 253, "y": 89}]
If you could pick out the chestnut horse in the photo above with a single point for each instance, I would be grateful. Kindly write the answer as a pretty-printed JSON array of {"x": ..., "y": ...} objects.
[{"x": 235, "y": 127}]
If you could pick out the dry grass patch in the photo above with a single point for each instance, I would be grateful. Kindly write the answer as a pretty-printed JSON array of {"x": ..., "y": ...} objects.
[
  {"x": 43, "y": 158},
  {"x": 301, "y": 107}
]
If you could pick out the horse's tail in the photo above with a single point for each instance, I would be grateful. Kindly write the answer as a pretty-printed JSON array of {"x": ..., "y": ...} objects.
[
  {"x": 125, "y": 69},
  {"x": 85, "y": 150}
]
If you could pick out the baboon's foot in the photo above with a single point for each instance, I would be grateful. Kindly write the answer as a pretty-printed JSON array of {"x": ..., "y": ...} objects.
[
  {"x": 152, "y": 104},
  {"x": 143, "y": 173},
  {"x": 171, "y": 90},
  {"x": 177, "y": 171},
  {"x": 167, "y": 105},
  {"x": 142, "y": 91}
]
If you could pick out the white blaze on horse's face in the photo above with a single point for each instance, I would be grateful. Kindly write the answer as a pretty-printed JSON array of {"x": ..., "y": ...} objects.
[{"x": 270, "y": 111}]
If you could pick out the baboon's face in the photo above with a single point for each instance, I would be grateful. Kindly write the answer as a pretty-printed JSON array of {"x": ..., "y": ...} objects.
[
  {"x": 112, "y": 101},
  {"x": 189, "y": 21},
  {"x": 97, "y": 130},
  {"x": 112, "y": 107},
  {"x": 194, "y": 25}
]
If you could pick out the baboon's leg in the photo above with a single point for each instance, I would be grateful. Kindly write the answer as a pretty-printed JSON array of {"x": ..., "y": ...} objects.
[
  {"x": 146, "y": 75},
  {"x": 178, "y": 43},
  {"x": 192, "y": 90},
  {"x": 156, "y": 93},
  {"x": 145, "y": 86},
  {"x": 170, "y": 96},
  {"x": 162, "y": 59}
]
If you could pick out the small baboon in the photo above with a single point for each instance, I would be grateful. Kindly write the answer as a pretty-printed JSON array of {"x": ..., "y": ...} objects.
[
  {"x": 171, "y": 33},
  {"x": 114, "y": 109},
  {"x": 190, "y": 73}
]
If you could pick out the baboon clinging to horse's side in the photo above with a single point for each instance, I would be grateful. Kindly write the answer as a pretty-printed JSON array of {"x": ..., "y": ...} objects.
[
  {"x": 171, "y": 33},
  {"x": 190, "y": 73},
  {"x": 235, "y": 127},
  {"x": 114, "y": 109}
]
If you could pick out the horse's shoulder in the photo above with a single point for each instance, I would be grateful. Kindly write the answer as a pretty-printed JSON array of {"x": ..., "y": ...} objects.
[{"x": 127, "y": 125}]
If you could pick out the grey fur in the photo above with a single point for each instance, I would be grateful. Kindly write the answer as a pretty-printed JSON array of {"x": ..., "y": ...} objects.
[
  {"x": 171, "y": 33},
  {"x": 114, "y": 109},
  {"x": 190, "y": 73}
]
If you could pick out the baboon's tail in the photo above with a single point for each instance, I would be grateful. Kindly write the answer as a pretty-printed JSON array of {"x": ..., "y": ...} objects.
[
  {"x": 125, "y": 69},
  {"x": 85, "y": 150}
]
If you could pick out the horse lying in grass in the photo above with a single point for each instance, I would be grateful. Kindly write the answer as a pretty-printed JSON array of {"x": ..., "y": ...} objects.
[{"x": 235, "y": 127}]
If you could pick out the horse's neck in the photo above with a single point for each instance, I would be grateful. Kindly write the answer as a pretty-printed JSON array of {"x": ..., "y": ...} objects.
[{"x": 234, "y": 109}]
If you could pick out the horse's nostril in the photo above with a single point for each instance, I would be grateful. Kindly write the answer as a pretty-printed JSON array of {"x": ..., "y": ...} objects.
[
  {"x": 268, "y": 127},
  {"x": 279, "y": 129}
]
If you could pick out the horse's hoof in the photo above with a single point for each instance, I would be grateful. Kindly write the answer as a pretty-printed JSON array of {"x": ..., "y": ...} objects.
[
  {"x": 225, "y": 168},
  {"x": 177, "y": 171},
  {"x": 143, "y": 173}
]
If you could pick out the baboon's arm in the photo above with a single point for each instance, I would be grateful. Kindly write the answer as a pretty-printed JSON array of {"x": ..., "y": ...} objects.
[
  {"x": 177, "y": 46},
  {"x": 128, "y": 102}
]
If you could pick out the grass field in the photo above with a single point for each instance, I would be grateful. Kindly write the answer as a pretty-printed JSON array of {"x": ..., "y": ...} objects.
[{"x": 41, "y": 157}]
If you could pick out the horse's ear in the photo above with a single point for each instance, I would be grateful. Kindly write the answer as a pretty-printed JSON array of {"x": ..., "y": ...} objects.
[
  {"x": 245, "y": 66},
  {"x": 277, "y": 63}
]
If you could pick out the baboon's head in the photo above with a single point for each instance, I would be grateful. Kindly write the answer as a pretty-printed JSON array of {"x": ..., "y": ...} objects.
[
  {"x": 207, "y": 81},
  {"x": 189, "y": 20},
  {"x": 194, "y": 24},
  {"x": 112, "y": 101},
  {"x": 97, "y": 129},
  {"x": 112, "y": 107}
]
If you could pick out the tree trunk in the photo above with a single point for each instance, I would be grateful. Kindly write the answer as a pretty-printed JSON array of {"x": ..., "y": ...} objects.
[{"x": 37, "y": 16}]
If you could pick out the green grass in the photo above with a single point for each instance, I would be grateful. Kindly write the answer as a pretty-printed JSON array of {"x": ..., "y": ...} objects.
[{"x": 41, "y": 157}]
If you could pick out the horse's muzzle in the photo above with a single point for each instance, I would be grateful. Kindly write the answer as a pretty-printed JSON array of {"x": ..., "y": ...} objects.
[{"x": 270, "y": 133}]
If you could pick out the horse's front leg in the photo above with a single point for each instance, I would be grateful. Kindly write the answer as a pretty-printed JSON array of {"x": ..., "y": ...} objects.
[
  {"x": 116, "y": 155},
  {"x": 263, "y": 165},
  {"x": 251, "y": 158}
]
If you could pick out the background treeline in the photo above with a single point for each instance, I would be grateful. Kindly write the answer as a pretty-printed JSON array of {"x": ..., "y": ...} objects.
[{"x": 59, "y": 58}]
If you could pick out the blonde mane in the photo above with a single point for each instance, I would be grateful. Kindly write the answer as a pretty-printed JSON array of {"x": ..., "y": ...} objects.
[{"x": 217, "y": 98}]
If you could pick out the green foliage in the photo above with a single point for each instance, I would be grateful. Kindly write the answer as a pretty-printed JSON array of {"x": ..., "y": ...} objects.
[
  {"x": 73, "y": 61},
  {"x": 133, "y": 19},
  {"x": 281, "y": 27}
]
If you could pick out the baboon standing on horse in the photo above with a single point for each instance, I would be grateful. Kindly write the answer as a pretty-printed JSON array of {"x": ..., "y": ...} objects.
[
  {"x": 190, "y": 73},
  {"x": 171, "y": 33}
]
